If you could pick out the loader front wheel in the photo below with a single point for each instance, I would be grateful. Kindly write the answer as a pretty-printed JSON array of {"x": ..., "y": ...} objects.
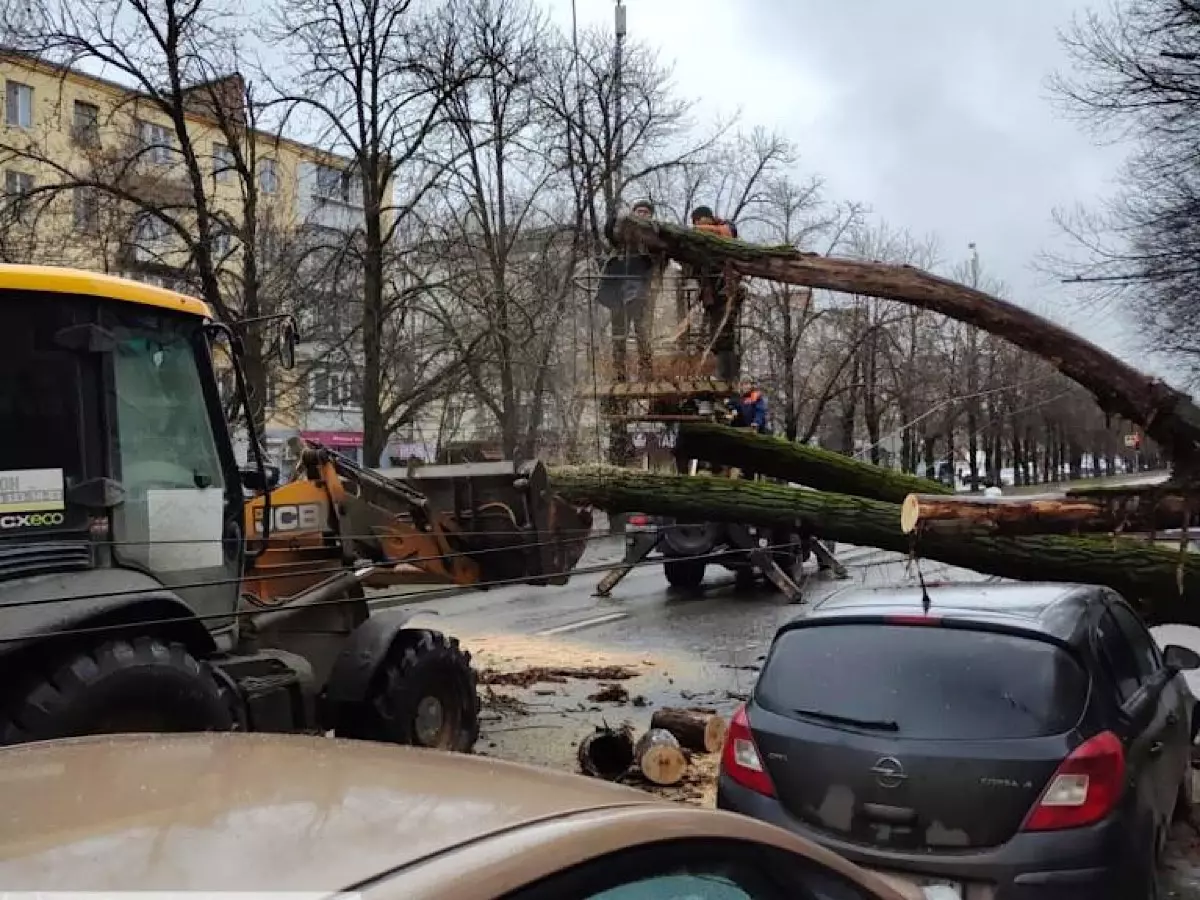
[
  {"x": 139, "y": 685},
  {"x": 424, "y": 695}
]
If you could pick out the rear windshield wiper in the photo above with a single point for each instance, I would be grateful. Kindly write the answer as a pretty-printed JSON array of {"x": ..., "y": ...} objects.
[{"x": 873, "y": 724}]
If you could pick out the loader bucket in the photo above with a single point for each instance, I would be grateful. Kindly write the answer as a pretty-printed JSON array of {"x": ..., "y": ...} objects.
[{"x": 504, "y": 516}]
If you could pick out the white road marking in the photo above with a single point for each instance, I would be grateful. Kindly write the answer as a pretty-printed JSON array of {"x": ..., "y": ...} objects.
[{"x": 585, "y": 623}]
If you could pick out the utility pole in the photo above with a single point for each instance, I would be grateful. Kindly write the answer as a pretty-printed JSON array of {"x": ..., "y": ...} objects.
[{"x": 618, "y": 178}]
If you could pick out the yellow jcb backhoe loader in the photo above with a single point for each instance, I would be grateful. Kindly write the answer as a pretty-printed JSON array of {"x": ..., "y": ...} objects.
[{"x": 140, "y": 590}]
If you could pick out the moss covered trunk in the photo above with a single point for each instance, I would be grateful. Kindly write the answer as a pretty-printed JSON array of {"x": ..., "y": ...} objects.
[
  {"x": 1147, "y": 574},
  {"x": 799, "y": 463}
]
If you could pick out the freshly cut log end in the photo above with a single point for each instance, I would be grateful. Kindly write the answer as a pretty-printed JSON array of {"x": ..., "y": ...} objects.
[
  {"x": 659, "y": 757},
  {"x": 910, "y": 513},
  {"x": 694, "y": 729},
  {"x": 606, "y": 753}
]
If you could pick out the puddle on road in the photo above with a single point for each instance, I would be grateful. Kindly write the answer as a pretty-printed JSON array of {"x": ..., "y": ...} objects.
[{"x": 542, "y": 717}]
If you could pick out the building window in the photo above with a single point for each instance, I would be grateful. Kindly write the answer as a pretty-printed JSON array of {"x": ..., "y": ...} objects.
[
  {"x": 223, "y": 163},
  {"x": 18, "y": 104},
  {"x": 150, "y": 230},
  {"x": 268, "y": 176},
  {"x": 330, "y": 389},
  {"x": 17, "y": 184},
  {"x": 156, "y": 141},
  {"x": 222, "y": 242},
  {"x": 86, "y": 208},
  {"x": 85, "y": 125},
  {"x": 333, "y": 184}
]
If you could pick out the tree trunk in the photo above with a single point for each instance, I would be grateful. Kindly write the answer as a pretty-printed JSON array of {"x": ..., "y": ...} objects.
[
  {"x": 1168, "y": 415},
  {"x": 696, "y": 730},
  {"x": 930, "y": 443},
  {"x": 1083, "y": 512},
  {"x": 799, "y": 463},
  {"x": 1144, "y": 573},
  {"x": 659, "y": 757},
  {"x": 606, "y": 753}
]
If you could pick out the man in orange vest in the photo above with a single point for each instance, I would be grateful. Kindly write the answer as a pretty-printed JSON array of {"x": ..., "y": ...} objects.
[
  {"x": 721, "y": 301},
  {"x": 704, "y": 220},
  {"x": 751, "y": 410}
]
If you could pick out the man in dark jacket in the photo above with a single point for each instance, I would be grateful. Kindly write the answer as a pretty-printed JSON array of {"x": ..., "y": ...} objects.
[{"x": 628, "y": 285}]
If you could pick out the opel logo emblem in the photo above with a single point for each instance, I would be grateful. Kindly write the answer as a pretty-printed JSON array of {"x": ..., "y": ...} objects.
[{"x": 888, "y": 772}]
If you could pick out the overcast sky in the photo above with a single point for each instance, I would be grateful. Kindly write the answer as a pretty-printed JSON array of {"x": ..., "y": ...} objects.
[{"x": 934, "y": 113}]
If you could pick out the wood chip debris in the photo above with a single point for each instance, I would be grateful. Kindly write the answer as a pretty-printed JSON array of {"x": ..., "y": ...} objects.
[
  {"x": 610, "y": 693},
  {"x": 556, "y": 675}
]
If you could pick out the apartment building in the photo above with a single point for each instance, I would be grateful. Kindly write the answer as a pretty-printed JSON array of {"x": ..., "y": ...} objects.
[{"x": 62, "y": 124}]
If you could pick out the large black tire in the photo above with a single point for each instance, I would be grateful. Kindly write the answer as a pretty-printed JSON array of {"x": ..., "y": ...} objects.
[
  {"x": 684, "y": 572},
  {"x": 139, "y": 685},
  {"x": 690, "y": 539},
  {"x": 425, "y": 695}
]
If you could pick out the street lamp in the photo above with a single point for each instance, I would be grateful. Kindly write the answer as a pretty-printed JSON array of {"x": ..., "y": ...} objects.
[{"x": 618, "y": 96}]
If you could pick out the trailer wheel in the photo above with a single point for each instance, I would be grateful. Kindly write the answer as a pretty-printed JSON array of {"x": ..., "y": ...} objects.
[
  {"x": 424, "y": 695},
  {"x": 120, "y": 686},
  {"x": 684, "y": 573}
]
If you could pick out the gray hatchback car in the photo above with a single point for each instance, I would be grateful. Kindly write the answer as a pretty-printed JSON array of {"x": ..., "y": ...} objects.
[{"x": 1013, "y": 742}]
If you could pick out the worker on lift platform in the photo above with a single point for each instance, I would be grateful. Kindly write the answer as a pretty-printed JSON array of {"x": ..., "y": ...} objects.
[
  {"x": 628, "y": 285},
  {"x": 721, "y": 301}
]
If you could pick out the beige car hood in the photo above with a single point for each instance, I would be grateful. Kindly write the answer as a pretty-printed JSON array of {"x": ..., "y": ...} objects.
[{"x": 254, "y": 812}]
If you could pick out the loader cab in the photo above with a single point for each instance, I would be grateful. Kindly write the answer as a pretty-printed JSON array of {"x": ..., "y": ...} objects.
[{"x": 116, "y": 455}]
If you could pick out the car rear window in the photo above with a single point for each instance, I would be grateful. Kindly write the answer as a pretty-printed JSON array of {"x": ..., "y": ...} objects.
[{"x": 933, "y": 683}]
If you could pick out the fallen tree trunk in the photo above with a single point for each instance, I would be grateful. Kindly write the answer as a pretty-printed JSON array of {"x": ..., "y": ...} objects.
[
  {"x": 1165, "y": 582},
  {"x": 659, "y": 757},
  {"x": 1169, "y": 416},
  {"x": 800, "y": 463},
  {"x": 1048, "y": 514},
  {"x": 606, "y": 753},
  {"x": 695, "y": 730}
]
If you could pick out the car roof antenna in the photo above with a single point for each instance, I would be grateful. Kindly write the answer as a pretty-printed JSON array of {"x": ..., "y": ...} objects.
[{"x": 926, "y": 600}]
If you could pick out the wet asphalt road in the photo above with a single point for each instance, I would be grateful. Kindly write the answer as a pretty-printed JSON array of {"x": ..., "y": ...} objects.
[{"x": 687, "y": 650}]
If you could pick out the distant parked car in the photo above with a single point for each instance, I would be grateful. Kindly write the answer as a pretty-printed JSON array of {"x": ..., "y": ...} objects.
[
  {"x": 263, "y": 813},
  {"x": 1016, "y": 741}
]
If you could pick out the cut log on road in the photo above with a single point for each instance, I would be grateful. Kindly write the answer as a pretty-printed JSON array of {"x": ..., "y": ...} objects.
[
  {"x": 1049, "y": 514},
  {"x": 695, "y": 730},
  {"x": 1165, "y": 582},
  {"x": 606, "y": 753},
  {"x": 659, "y": 757},
  {"x": 1168, "y": 415},
  {"x": 799, "y": 463}
]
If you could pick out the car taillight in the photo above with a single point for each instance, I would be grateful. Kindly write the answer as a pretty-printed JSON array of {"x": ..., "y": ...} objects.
[
  {"x": 639, "y": 520},
  {"x": 740, "y": 759},
  {"x": 1084, "y": 789}
]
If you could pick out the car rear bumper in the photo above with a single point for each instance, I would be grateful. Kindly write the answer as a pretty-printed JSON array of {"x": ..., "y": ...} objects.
[{"x": 1097, "y": 863}]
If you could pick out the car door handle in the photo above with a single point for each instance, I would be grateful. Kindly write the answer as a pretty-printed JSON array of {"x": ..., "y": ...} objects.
[{"x": 1156, "y": 748}]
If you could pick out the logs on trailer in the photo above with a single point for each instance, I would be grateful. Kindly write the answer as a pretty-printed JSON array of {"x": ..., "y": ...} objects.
[
  {"x": 696, "y": 730},
  {"x": 606, "y": 753},
  {"x": 1050, "y": 514},
  {"x": 659, "y": 757},
  {"x": 799, "y": 463},
  {"x": 1165, "y": 582},
  {"x": 1169, "y": 416}
]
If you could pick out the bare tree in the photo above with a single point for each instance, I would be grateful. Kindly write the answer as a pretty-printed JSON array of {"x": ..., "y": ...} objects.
[
  {"x": 374, "y": 80},
  {"x": 1135, "y": 77}
]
